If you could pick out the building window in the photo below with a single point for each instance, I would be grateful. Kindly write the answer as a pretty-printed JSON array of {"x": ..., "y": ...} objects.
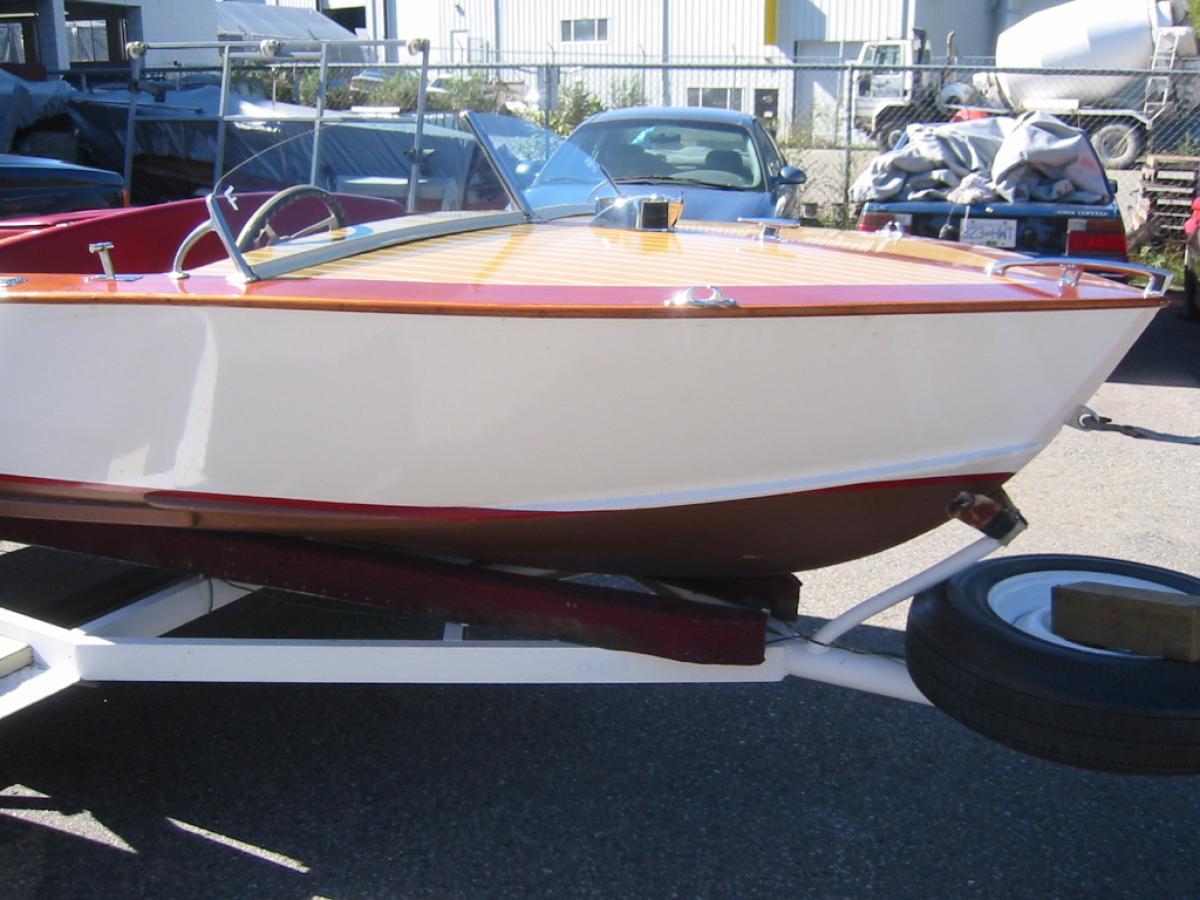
[
  {"x": 88, "y": 40},
  {"x": 12, "y": 43},
  {"x": 719, "y": 98},
  {"x": 585, "y": 29},
  {"x": 95, "y": 34}
]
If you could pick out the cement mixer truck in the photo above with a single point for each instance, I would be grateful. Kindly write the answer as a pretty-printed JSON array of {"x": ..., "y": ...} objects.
[{"x": 1120, "y": 110}]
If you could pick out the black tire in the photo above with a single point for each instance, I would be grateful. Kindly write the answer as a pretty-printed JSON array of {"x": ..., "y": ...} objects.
[
  {"x": 1191, "y": 297},
  {"x": 889, "y": 133},
  {"x": 1116, "y": 713},
  {"x": 1118, "y": 144}
]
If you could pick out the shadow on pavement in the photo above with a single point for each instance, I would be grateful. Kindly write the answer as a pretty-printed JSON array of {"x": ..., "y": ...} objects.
[
  {"x": 786, "y": 789},
  {"x": 740, "y": 791},
  {"x": 1167, "y": 353}
]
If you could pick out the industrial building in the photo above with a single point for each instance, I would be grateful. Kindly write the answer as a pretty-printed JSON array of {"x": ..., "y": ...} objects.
[{"x": 569, "y": 35}]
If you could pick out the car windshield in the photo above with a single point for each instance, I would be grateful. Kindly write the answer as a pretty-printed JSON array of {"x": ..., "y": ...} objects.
[
  {"x": 709, "y": 154},
  {"x": 304, "y": 194}
]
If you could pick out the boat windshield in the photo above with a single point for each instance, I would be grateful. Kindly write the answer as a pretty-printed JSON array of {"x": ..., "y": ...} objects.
[{"x": 306, "y": 193}]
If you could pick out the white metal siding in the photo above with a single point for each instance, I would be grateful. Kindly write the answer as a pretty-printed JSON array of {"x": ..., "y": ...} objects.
[
  {"x": 178, "y": 20},
  {"x": 847, "y": 20}
]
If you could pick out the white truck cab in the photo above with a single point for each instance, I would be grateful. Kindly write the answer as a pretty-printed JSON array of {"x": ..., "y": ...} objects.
[{"x": 888, "y": 89}]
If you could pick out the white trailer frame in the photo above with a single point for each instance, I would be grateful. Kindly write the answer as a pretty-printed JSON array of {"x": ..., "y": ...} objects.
[{"x": 38, "y": 659}]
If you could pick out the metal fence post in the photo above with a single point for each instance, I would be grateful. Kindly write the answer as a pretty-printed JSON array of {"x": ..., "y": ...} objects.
[
  {"x": 666, "y": 52},
  {"x": 848, "y": 159}
]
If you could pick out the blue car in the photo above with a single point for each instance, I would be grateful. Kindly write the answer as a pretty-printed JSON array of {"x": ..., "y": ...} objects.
[
  {"x": 34, "y": 186},
  {"x": 724, "y": 164}
]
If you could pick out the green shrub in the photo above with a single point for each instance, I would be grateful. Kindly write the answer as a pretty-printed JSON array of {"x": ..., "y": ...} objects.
[
  {"x": 575, "y": 103},
  {"x": 398, "y": 90},
  {"x": 627, "y": 92}
]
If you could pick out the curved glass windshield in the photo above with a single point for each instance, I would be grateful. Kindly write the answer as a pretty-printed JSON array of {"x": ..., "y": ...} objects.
[
  {"x": 551, "y": 174},
  {"x": 301, "y": 194}
]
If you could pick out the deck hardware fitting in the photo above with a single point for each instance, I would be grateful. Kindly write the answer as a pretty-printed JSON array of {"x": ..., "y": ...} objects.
[
  {"x": 102, "y": 249},
  {"x": 716, "y": 299}
]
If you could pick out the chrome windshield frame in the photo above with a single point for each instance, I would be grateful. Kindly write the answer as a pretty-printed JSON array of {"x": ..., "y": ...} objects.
[
  {"x": 480, "y": 134},
  {"x": 249, "y": 267},
  {"x": 392, "y": 232},
  {"x": 354, "y": 239},
  {"x": 514, "y": 191},
  {"x": 216, "y": 218}
]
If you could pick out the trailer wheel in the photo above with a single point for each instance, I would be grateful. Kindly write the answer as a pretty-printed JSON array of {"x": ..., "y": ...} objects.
[
  {"x": 1118, "y": 144},
  {"x": 980, "y": 648}
]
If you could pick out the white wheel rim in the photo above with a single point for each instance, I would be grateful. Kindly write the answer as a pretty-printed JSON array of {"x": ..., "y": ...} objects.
[{"x": 1023, "y": 601}]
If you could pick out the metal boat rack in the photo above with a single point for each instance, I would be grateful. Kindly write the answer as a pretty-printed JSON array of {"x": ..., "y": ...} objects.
[{"x": 590, "y": 633}]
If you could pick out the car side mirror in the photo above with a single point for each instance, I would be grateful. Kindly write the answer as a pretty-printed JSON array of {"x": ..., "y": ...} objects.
[
  {"x": 791, "y": 175},
  {"x": 526, "y": 172}
]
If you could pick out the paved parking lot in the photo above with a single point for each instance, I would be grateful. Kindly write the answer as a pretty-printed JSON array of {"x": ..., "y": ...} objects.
[{"x": 792, "y": 789}]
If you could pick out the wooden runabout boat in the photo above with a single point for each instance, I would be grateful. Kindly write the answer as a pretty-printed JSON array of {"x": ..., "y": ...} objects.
[
  {"x": 592, "y": 386},
  {"x": 367, "y": 384}
]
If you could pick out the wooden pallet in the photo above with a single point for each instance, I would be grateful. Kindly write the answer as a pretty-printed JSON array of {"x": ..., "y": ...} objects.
[{"x": 1168, "y": 185}]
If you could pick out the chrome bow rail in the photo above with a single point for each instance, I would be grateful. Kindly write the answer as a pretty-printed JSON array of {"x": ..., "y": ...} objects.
[{"x": 1073, "y": 267}]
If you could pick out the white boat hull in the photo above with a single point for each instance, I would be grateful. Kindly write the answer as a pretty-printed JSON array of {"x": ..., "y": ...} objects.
[{"x": 436, "y": 419}]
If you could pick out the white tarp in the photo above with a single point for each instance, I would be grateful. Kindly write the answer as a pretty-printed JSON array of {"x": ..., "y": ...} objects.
[{"x": 1033, "y": 157}]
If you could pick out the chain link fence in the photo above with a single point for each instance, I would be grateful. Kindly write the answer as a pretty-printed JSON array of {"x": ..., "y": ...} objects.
[{"x": 830, "y": 119}]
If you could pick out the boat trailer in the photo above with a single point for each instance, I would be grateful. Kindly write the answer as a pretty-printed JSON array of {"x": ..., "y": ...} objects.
[{"x": 661, "y": 631}]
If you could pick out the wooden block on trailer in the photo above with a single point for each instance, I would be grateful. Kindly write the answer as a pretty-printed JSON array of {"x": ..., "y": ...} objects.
[
  {"x": 1139, "y": 620},
  {"x": 13, "y": 656}
]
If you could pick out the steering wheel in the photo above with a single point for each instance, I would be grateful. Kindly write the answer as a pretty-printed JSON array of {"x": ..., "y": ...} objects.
[{"x": 259, "y": 224}]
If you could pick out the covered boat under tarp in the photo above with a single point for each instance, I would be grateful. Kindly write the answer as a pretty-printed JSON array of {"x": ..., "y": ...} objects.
[
  {"x": 177, "y": 130},
  {"x": 1032, "y": 157}
]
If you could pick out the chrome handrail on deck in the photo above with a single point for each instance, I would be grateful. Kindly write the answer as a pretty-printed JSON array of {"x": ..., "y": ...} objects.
[{"x": 1073, "y": 268}]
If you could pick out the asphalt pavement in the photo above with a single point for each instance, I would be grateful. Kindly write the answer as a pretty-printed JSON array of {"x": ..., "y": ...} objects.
[{"x": 793, "y": 789}]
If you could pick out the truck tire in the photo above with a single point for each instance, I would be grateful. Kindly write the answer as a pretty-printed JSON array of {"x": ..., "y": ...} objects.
[
  {"x": 1118, "y": 144},
  {"x": 980, "y": 649},
  {"x": 890, "y": 130}
]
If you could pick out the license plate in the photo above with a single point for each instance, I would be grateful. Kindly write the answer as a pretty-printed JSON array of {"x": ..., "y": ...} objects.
[{"x": 989, "y": 232}]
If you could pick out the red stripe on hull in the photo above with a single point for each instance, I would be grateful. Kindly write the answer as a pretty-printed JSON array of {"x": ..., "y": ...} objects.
[
  {"x": 578, "y": 301},
  {"x": 755, "y": 536}
]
